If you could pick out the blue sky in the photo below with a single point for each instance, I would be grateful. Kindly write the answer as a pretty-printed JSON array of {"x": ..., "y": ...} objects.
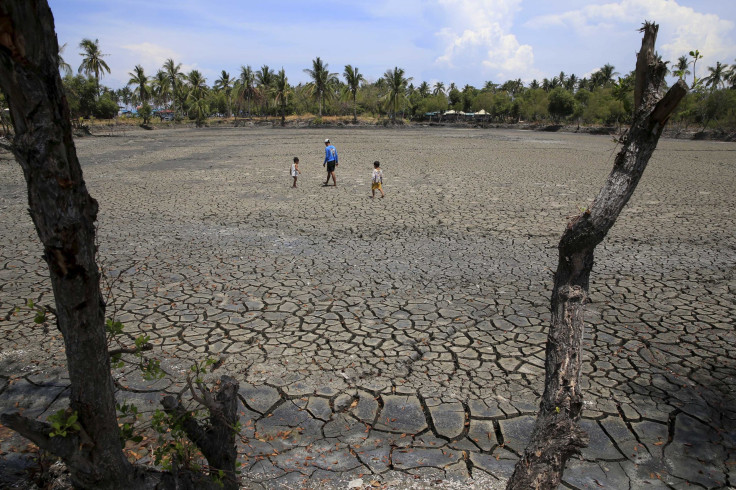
[{"x": 461, "y": 41}]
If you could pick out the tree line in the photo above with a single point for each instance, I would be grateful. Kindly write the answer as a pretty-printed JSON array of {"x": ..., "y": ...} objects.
[{"x": 603, "y": 98}]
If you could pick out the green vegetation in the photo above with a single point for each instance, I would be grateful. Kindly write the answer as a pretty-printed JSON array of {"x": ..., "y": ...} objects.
[{"x": 604, "y": 98}]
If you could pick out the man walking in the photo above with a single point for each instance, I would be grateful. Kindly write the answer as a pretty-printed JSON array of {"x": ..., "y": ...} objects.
[{"x": 330, "y": 162}]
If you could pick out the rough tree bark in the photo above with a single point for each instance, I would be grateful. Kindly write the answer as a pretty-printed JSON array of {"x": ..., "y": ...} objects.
[
  {"x": 557, "y": 435},
  {"x": 64, "y": 214}
]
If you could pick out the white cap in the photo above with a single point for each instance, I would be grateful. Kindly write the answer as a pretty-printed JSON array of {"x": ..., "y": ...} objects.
[{"x": 327, "y": 140}]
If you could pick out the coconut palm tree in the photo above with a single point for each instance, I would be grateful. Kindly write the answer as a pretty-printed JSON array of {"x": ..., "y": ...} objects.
[
  {"x": 161, "y": 88},
  {"x": 717, "y": 77},
  {"x": 607, "y": 71},
  {"x": 281, "y": 91},
  {"x": 489, "y": 86},
  {"x": 322, "y": 81},
  {"x": 423, "y": 90},
  {"x": 246, "y": 84},
  {"x": 513, "y": 87},
  {"x": 695, "y": 55},
  {"x": 125, "y": 96},
  {"x": 264, "y": 81},
  {"x": 173, "y": 71},
  {"x": 225, "y": 83},
  {"x": 396, "y": 82},
  {"x": 197, "y": 84},
  {"x": 196, "y": 100},
  {"x": 63, "y": 65},
  {"x": 92, "y": 62},
  {"x": 181, "y": 95},
  {"x": 731, "y": 77},
  {"x": 352, "y": 80},
  {"x": 139, "y": 79},
  {"x": 562, "y": 78},
  {"x": 571, "y": 83},
  {"x": 681, "y": 68},
  {"x": 439, "y": 88},
  {"x": 622, "y": 88}
]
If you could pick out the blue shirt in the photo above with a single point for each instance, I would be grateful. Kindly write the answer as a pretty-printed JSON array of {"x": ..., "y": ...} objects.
[{"x": 330, "y": 154}]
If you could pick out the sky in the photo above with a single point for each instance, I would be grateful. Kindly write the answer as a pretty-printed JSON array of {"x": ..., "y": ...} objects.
[{"x": 452, "y": 41}]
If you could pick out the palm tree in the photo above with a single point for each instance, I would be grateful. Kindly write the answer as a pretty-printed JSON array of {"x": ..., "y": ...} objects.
[
  {"x": 161, "y": 88},
  {"x": 322, "y": 80},
  {"x": 92, "y": 62},
  {"x": 353, "y": 79},
  {"x": 173, "y": 71},
  {"x": 439, "y": 88},
  {"x": 513, "y": 87},
  {"x": 423, "y": 89},
  {"x": 264, "y": 79},
  {"x": 681, "y": 67},
  {"x": 717, "y": 77},
  {"x": 246, "y": 84},
  {"x": 196, "y": 100},
  {"x": 63, "y": 65},
  {"x": 622, "y": 88},
  {"x": 125, "y": 96},
  {"x": 731, "y": 76},
  {"x": 607, "y": 72},
  {"x": 197, "y": 84},
  {"x": 695, "y": 55},
  {"x": 603, "y": 76},
  {"x": 534, "y": 84},
  {"x": 281, "y": 91},
  {"x": 571, "y": 82},
  {"x": 140, "y": 80},
  {"x": 396, "y": 89},
  {"x": 489, "y": 86},
  {"x": 225, "y": 83},
  {"x": 181, "y": 94}
]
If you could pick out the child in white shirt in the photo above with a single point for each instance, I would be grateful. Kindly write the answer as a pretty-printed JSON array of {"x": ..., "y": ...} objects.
[
  {"x": 377, "y": 180},
  {"x": 295, "y": 170}
]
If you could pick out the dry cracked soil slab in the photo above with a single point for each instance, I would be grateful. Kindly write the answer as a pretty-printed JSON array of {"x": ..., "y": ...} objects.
[{"x": 401, "y": 340}]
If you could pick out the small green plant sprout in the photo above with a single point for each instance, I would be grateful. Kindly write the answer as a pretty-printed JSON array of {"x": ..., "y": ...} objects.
[
  {"x": 151, "y": 368},
  {"x": 127, "y": 418},
  {"x": 113, "y": 327},
  {"x": 40, "y": 311},
  {"x": 557, "y": 409},
  {"x": 218, "y": 476},
  {"x": 63, "y": 422},
  {"x": 200, "y": 368}
]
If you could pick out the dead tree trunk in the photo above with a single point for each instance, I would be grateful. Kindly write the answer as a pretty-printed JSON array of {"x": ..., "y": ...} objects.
[
  {"x": 557, "y": 435},
  {"x": 217, "y": 439},
  {"x": 64, "y": 214}
]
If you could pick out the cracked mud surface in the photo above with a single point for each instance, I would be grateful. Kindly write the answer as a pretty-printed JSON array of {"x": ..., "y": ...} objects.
[{"x": 402, "y": 338}]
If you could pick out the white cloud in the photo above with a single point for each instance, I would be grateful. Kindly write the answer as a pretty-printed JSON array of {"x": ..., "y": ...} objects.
[
  {"x": 478, "y": 34},
  {"x": 150, "y": 54},
  {"x": 682, "y": 29}
]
